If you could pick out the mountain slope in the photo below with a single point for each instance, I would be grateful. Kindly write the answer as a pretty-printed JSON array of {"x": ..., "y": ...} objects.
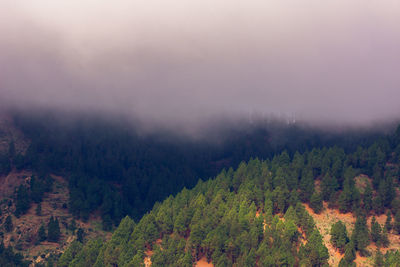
[{"x": 254, "y": 216}]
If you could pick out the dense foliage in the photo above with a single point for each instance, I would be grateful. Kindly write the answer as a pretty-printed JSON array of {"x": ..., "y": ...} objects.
[
  {"x": 30, "y": 193},
  {"x": 10, "y": 259},
  {"x": 112, "y": 168},
  {"x": 254, "y": 214},
  {"x": 240, "y": 217}
]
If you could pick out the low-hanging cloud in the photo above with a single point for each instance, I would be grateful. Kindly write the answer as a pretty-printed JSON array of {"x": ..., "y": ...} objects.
[{"x": 182, "y": 62}]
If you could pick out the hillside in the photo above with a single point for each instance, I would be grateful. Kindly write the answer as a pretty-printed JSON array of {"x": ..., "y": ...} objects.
[
  {"x": 92, "y": 173},
  {"x": 25, "y": 235},
  {"x": 254, "y": 216},
  {"x": 217, "y": 222},
  {"x": 115, "y": 170}
]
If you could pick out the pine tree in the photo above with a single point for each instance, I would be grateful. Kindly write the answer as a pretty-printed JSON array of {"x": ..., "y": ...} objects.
[
  {"x": 316, "y": 202},
  {"x": 379, "y": 262},
  {"x": 306, "y": 185},
  {"x": 42, "y": 233},
  {"x": 349, "y": 196},
  {"x": 53, "y": 230},
  {"x": 384, "y": 241},
  {"x": 316, "y": 250},
  {"x": 329, "y": 186},
  {"x": 349, "y": 256},
  {"x": 360, "y": 235},
  {"x": 396, "y": 224},
  {"x": 22, "y": 202},
  {"x": 72, "y": 226},
  {"x": 8, "y": 224},
  {"x": 367, "y": 198},
  {"x": 375, "y": 230},
  {"x": 388, "y": 222},
  {"x": 80, "y": 235},
  {"x": 377, "y": 205},
  {"x": 339, "y": 236}
]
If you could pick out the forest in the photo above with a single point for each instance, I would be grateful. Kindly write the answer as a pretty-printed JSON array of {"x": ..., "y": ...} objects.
[
  {"x": 157, "y": 195},
  {"x": 112, "y": 168},
  {"x": 253, "y": 216}
]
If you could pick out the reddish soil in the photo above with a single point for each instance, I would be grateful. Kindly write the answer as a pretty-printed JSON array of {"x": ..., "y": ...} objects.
[
  {"x": 203, "y": 263},
  {"x": 26, "y": 227},
  {"x": 327, "y": 217},
  {"x": 11, "y": 181},
  {"x": 323, "y": 221}
]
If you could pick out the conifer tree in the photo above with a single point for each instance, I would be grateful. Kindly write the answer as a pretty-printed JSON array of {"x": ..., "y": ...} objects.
[
  {"x": 316, "y": 202},
  {"x": 396, "y": 224},
  {"x": 367, "y": 198},
  {"x": 360, "y": 235},
  {"x": 306, "y": 185},
  {"x": 339, "y": 236},
  {"x": 329, "y": 186},
  {"x": 53, "y": 230},
  {"x": 8, "y": 224},
  {"x": 375, "y": 230},
  {"x": 377, "y": 204},
  {"x": 42, "y": 233},
  {"x": 349, "y": 256},
  {"x": 388, "y": 222},
  {"x": 384, "y": 241},
  {"x": 22, "y": 202},
  {"x": 379, "y": 261},
  {"x": 80, "y": 235}
]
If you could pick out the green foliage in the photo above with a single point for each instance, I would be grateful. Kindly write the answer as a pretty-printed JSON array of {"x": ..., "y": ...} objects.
[
  {"x": 10, "y": 259},
  {"x": 349, "y": 256},
  {"x": 68, "y": 256},
  {"x": 25, "y": 195},
  {"x": 350, "y": 196},
  {"x": 388, "y": 222},
  {"x": 314, "y": 252},
  {"x": 92, "y": 152},
  {"x": 329, "y": 186},
  {"x": 88, "y": 254},
  {"x": 220, "y": 223},
  {"x": 339, "y": 237},
  {"x": 53, "y": 230},
  {"x": 392, "y": 258},
  {"x": 316, "y": 202},
  {"x": 306, "y": 185},
  {"x": 216, "y": 218},
  {"x": 42, "y": 233},
  {"x": 22, "y": 201},
  {"x": 396, "y": 224},
  {"x": 379, "y": 261},
  {"x": 80, "y": 235},
  {"x": 360, "y": 236},
  {"x": 8, "y": 224},
  {"x": 367, "y": 199},
  {"x": 376, "y": 230},
  {"x": 384, "y": 239},
  {"x": 72, "y": 225}
]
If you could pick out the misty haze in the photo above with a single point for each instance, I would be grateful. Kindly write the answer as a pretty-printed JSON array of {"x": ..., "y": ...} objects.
[
  {"x": 199, "y": 133},
  {"x": 183, "y": 61}
]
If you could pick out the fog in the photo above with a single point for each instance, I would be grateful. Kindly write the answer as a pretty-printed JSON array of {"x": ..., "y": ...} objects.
[{"x": 184, "y": 62}]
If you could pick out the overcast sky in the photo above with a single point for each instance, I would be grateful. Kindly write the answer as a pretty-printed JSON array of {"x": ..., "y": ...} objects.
[{"x": 182, "y": 61}]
